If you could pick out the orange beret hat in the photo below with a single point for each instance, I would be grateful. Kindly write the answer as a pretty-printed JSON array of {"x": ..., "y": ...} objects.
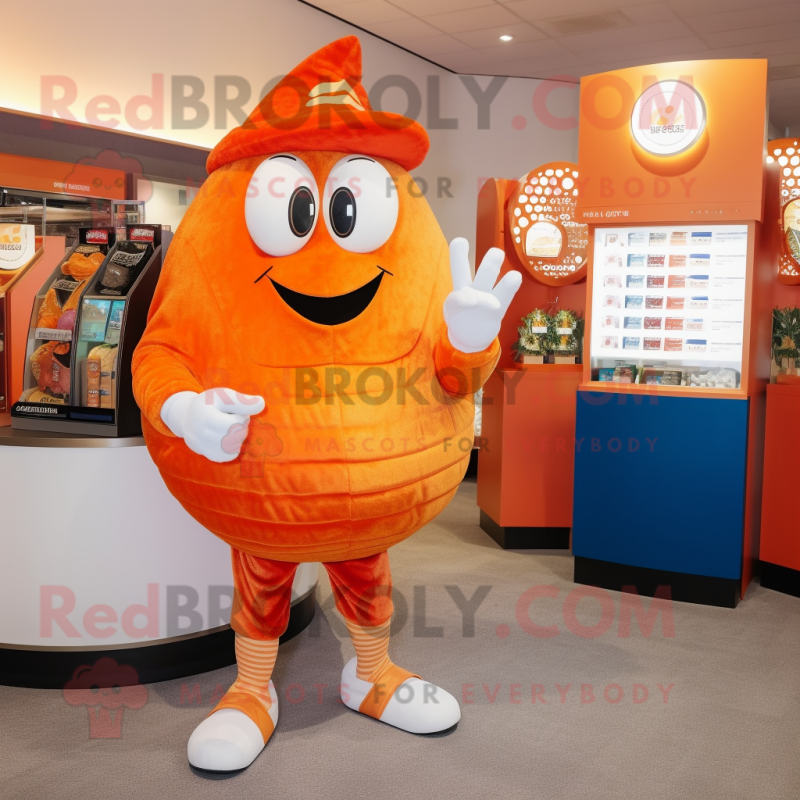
[{"x": 321, "y": 105}]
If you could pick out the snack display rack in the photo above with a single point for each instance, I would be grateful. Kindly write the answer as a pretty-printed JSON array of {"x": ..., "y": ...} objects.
[
  {"x": 87, "y": 318},
  {"x": 18, "y": 285},
  {"x": 527, "y": 441},
  {"x": 671, "y": 406}
]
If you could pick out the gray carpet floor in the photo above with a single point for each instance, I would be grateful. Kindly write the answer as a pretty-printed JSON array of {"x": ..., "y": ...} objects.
[{"x": 730, "y": 726}]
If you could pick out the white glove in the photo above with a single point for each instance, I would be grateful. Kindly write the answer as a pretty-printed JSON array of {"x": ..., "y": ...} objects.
[
  {"x": 212, "y": 423},
  {"x": 474, "y": 310}
]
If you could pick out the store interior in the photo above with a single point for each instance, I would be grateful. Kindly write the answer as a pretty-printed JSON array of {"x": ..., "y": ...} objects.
[{"x": 604, "y": 571}]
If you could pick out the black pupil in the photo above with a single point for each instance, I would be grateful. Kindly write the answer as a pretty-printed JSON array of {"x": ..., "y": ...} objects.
[
  {"x": 343, "y": 212},
  {"x": 301, "y": 211}
]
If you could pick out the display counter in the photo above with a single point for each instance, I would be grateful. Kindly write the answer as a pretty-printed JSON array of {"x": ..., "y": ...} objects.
[
  {"x": 677, "y": 346},
  {"x": 527, "y": 455},
  {"x": 780, "y": 540},
  {"x": 98, "y": 559},
  {"x": 527, "y": 440}
]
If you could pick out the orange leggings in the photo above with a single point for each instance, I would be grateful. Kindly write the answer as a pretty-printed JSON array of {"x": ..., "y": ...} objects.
[{"x": 262, "y": 596}]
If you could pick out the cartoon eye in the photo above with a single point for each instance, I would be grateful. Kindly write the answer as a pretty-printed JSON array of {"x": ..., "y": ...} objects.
[
  {"x": 97, "y": 182},
  {"x": 280, "y": 208},
  {"x": 361, "y": 204}
]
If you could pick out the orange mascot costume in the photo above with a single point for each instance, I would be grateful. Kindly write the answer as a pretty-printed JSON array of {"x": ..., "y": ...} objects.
[{"x": 306, "y": 377}]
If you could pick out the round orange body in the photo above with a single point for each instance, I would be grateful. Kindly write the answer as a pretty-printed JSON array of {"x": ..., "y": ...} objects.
[{"x": 361, "y": 443}]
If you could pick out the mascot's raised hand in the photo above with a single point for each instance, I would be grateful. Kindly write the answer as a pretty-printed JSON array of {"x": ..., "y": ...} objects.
[{"x": 474, "y": 309}]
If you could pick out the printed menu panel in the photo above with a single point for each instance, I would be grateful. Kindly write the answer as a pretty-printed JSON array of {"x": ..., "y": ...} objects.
[{"x": 673, "y": 294}]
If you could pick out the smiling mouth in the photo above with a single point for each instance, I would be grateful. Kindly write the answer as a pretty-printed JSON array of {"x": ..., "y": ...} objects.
[{"x": 331, "y": 310}]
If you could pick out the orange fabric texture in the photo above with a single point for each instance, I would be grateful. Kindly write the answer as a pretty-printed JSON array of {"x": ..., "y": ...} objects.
[
  {"x": 372, "y": 649},
  {"x": 374, "y": 704},
  {"x": 255, "y": 659},
  {"x": 321, "y": 105},
  {"x": 247, "y": 704},
  {"x": 367, "y": 429},
  {"x": 362, "y": 589},
  {"x": 364, "y": 444}
]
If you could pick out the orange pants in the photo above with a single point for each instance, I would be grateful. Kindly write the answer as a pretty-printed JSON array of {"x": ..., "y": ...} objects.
[{"x": 262, "y": 596}]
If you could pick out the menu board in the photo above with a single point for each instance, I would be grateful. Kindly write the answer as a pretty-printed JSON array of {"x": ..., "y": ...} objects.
[{"x": 672, "y": 294}]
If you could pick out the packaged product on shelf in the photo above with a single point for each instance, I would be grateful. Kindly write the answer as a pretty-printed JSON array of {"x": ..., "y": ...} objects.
[
  {"x": 57, "y": 313},
  {"x": 93, "y": 382},
  {"x": 115, "y": 322},
  {"x": 624, "y": 374},
  {"x": 662, "y": 377},
  {"x": 715, "y": 378},
  {"x": 100, "y": 376},
  {"x": 123, "y": 268},
  {"x": 50, "y": 365}
]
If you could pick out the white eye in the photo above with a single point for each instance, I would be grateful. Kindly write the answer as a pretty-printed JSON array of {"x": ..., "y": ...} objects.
[
  {"x": 360, "y": 204},
  {"x": 281, "y": 205}
]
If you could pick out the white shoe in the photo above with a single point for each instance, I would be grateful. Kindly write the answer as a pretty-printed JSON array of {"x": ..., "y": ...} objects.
[
  {"x": 228, "y": 740},
  {"x": 416, "y": 705}
]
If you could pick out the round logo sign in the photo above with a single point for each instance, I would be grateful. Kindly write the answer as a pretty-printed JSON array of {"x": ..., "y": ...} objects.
[
  {"x": 668, "y": 118},
  {"x": 546, "y": 238}
]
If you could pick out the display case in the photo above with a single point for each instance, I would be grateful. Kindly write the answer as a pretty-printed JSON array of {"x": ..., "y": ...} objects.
[
  {"x": 668, "y": 305},
  {"x": 87, "y": 319},
  {"x": 670, "y": 411}
]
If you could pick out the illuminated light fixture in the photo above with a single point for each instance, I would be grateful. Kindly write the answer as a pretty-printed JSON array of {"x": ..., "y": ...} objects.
[{"x": 506, "y": 38}]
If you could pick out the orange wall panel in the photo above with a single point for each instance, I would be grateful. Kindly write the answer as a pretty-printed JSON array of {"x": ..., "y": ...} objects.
[{"x": 719, "y": 177}]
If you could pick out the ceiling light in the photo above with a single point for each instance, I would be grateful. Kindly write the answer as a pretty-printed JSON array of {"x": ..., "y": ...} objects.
[{"x": 506, "y": 38}]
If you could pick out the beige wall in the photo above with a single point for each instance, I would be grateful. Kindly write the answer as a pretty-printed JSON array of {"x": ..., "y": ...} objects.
[{"x": 115, "y": 50}]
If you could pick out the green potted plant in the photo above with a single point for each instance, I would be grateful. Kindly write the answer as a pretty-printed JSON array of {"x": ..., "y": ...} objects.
[
  {"x": 785, "y": 337},
  {"x": 534, "y": 335},
  {"x": 566, "y": 336}
]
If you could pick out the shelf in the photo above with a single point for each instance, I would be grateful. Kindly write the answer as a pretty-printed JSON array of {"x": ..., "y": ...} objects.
[
  {"x": 784, "y": 389},
  {"x": 543, "y": 369},
  {"x": 661, "y": 391},
  {"x": 14, "y": 437}
]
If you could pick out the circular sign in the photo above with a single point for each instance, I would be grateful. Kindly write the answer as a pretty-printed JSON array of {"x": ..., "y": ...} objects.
[
  {"x": 784, "y": 158},
  {"x": 668, "y": 118},
  {"x": 547, "y": 240},
  {"x": 17, "y": 245}
]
